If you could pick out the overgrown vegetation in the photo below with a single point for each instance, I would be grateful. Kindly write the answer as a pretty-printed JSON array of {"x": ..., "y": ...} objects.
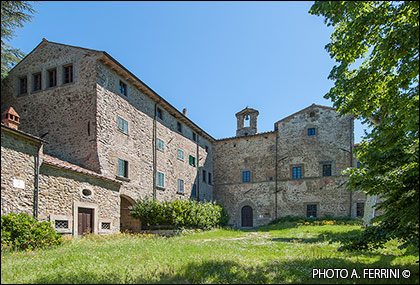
[
  {"x": 180, "y": 213},
  {"x": 284, "y": 252},
  {"x": 20, "y": 231}
]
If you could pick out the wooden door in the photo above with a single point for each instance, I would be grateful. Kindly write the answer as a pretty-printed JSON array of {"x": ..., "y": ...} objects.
[
  {"x": 85, "y": 224},
  {"x": 246, "y": 216}
]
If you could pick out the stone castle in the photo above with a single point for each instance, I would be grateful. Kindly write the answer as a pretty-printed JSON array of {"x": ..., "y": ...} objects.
[{"x": 83, "y": 138}]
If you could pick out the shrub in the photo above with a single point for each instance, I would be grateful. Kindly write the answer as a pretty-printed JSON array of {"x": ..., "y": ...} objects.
[
  {"x": 20, "y": 231},
  {"x": 180, "y": 213}
]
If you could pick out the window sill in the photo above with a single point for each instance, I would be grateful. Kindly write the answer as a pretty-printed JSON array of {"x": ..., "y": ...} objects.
[
  {"x": 68, "y": 83},
  {"x": 122, "y": 178},
  {"x": 124, "y": 133},
  {"x": 160, "y": 188},
  {"x": 51, "y": 87},
  {"x": 180, "y": 193}
]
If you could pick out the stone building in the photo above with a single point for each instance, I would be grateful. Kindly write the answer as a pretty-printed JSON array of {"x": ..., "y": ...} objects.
[
  {"x": 75, "y": 200},
  {"x": 100, "y": 118}
]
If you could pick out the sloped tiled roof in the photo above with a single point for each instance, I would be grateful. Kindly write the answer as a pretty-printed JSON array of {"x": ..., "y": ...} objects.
[{"x": 50, "y": 160}]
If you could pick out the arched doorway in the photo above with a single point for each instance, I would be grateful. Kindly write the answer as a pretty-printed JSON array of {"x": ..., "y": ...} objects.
[
  {"x": 246, "y": 216},
  {"x": 127, "y": 222}
]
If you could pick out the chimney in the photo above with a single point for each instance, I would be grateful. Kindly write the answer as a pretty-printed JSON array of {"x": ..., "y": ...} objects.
[
  {"x": 184, "y": 111},
  {"x": 10, "y": 118}
]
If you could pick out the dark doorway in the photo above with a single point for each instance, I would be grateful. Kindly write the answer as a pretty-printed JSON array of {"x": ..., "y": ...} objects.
[
  {"x": 246, "y": 216},
  {"x": 85, "y": 223}
]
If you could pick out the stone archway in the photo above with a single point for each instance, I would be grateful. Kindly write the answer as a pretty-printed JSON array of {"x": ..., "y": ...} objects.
[{"x": 127, "y": 222}]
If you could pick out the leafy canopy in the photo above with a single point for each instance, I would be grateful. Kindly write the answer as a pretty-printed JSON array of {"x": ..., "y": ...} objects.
[
  {"x": 376, "y": 47},
  {"x": 13, "y": 15}
]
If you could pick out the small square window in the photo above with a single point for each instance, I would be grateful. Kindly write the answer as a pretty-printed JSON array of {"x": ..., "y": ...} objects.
[
  {"x": 123, "y": 88},
  {"x": 179, "y": 127},
  {"x": 326, "y": 170},
  {"x": 246, "y": 176},
  {"x": 36, "y": 81},
  {"x": 311, "y": 131},
  {"x": 160, "y": 144},
  {"x": 360, "y": 209},
  {"x": 122, "y": 168},
  {"x": 192, "y": 160},
  {"x": 61, "y": 224},
  {"x": 311, "y": 211},
  {"x": 297, "y": 172},
  {"x": 106, "y": 226},
  {"x": 159, "y": 113},
  {"x": 180, "y": 186},
  {"x": 52, "y": 77},
  {"x": 122, "y": 125},
  {"x": 23, "y": 85},
  {"x": 160, "y": 179},
  {"x": 180, "y": 154},
  {"x": 68, "y": 73}
]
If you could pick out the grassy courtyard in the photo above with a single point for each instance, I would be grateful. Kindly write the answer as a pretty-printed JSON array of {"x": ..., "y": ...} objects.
[{"x": 283, "y": 253}]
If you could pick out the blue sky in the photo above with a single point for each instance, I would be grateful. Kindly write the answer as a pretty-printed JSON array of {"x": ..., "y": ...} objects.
[{"x": 213, "y": 58}]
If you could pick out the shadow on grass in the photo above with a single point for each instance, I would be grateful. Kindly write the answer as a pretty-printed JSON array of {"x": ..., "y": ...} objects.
[
  {"x": 324, "y": 236},
  {"x": 299, "y": 271}
]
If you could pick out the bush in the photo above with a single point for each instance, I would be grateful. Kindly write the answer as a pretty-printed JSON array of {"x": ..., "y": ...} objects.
[
  {"x": 20, "y": 231},
  {"x": 180, "y": 213}
]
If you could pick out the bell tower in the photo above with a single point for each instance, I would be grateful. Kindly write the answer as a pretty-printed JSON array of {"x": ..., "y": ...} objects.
[{"x": 246, "y": 122}]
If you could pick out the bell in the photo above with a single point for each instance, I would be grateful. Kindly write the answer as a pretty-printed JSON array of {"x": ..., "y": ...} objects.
[{"x": 247, "y": 117}]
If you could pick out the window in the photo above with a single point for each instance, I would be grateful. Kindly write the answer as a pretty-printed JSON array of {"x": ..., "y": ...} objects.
[
  {"x": 52, "y": 77},
  {"x": 194, "y": 190},
  {"x": 311, "y": 210},
  {"x": 123, "y": 88},
  {"x": 68, "y": 73},
  {"x": 122, "y": 168},
  {"x": 246, "y": 176},
  {"x": 311, "y": 131},
  {"x": 36, "y": 81},
  {"x": 204, "y": 176},
  {"x": 61, "y": 224},
  {"x": 180, "y": 186},
  {"x": 159, "y": 113},
  {"x": 192, "y": 160},
  {"x": 194, "y": 136},
  {"x": 207, "y": 148},
  {"x": 297, "y": 172},
  {"x": 160, "y": 144},
  {"x": 23, "y": 85},
  {"x": 326, "y": 170},
  {"x": 360, "y": 209},
  {"x": 210, "y": 178},
  {"x": 105, "y": 226},
  {"x": 180, "y": 154},
  {"x": 160, "y": 179},
  {"x": 179, "y": 127},
  {"x": 122, "y": 125}
]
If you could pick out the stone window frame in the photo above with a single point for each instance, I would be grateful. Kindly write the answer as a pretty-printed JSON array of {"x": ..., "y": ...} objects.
[
  {"x": 123, "y": 88},
  {"x": 64, "y": 67},
  {"x": 181, "y": 186},
  {"x": 105, "y": 231},
  {"x": 311, "y": 126},
  {"x": 48, "y": 77},
  {"x": 250, "y": 175},
  {"x": 192, "y": 161},
  {"x": 20, "y": 80},
  {"x": 355, "y": 207},
  {"x": 159, "y": 113},
  {"x": 312, "y": 203},
  {"x": 36, "y": 79},
  {"x": 125, "y": 169},
  {"x": 69, "y": 220},
  {"x": 124, "y": 122},
  {"x": 160, "y": 144},
  {"x": 179, "y": 127},
  {"x": 85, "y": 197},
  {"x": 95, "y": 210},
  {"x": 160, "y": 177},
  {"x": 302, "y": 171},
  {"x": 324, "y": 162},
  {"x": 178, "y": 156}
]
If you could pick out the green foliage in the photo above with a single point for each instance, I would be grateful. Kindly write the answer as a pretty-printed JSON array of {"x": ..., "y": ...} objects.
[
  {"x": 13, "y": 15},
  {"x": 180, "y": 213},
  {"x": 317, "y": 221},
  {"x": 376, "y": 46},
  {"x": 20, "y": 231}
]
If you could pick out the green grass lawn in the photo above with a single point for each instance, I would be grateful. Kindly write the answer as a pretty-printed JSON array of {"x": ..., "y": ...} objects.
[{"x": 282, "y": 253}]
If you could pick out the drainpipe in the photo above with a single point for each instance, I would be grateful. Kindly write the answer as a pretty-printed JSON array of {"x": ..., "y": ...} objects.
[
  {"x": 198, "y": 168},
  {"x": 276, "y": 190},
  {"x": 154, "y": 152},
  {"x": 36, "y": 200}
]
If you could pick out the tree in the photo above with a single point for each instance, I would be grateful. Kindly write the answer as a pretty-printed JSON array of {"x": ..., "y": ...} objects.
[
  {"x": 13, "y": 15},
  {"x": 376, "y": 47}
]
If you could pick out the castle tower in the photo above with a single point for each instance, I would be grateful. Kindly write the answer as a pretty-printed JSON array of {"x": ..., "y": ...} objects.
[{"x": 246, "y": 122}]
